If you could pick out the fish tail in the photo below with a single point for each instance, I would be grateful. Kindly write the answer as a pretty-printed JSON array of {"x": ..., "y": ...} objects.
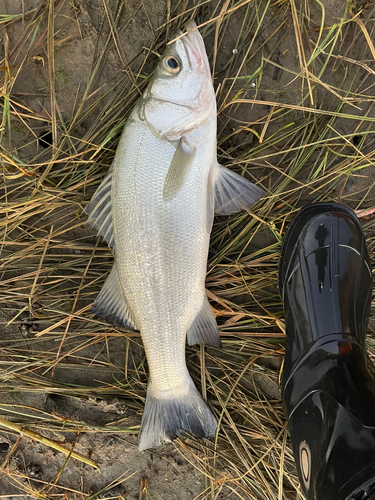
[{"x": 165, "y": 415}]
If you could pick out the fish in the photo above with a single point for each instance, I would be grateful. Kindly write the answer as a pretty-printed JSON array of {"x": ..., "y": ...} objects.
[{"x": 155, "y": 208}]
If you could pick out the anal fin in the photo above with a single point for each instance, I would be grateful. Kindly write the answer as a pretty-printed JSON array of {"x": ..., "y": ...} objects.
[
  {"x": 111, "y": 303},
  {"x": 204, "y": 327}
]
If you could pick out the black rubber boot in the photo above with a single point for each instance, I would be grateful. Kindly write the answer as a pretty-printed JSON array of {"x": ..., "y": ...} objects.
[{"x": 328, "y": 384}]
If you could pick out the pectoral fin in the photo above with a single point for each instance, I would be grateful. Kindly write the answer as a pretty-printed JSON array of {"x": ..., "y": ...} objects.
[
  {"x": 233, "y": 192},
  {"x": 100, "y": 210},
  {"x": 178, "y": 170}
]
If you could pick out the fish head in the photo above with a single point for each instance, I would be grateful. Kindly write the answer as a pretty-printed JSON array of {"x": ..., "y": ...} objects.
[{"x": 180, "y": 96}]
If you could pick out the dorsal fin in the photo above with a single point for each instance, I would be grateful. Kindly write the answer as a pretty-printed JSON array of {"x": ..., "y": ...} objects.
[
  {"x": 111, "y": 303},
  {"x": 100, "y": 210}
]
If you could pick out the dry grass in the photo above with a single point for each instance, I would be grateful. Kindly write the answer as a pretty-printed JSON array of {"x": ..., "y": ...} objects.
[{"x": 295, "y": 91}]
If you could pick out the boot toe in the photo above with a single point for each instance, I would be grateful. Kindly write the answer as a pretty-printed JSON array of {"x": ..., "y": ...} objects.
[{"x": 320, "y": 226}]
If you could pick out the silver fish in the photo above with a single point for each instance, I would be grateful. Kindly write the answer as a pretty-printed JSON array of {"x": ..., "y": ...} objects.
[{"x": 155, "y": 209}]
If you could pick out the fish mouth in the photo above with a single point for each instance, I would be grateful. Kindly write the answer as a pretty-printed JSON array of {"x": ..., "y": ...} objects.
[
  {"x": 177, "y": 33},
  {"x": 194, "y": 45},
  {"x": 183, "y": 32}
]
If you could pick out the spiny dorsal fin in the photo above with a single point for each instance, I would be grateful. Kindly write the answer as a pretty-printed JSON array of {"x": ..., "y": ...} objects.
[
  {"x": 100, "y": 210},
  {"x": 233, "y": 192},
  {"x": 181, "y": 162},
  {"x": 204, "y": 327},
  {"x": 111, "y": 303}
]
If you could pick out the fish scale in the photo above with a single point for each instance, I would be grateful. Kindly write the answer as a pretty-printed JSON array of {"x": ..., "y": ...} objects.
[{"x": 165, "y": 186}]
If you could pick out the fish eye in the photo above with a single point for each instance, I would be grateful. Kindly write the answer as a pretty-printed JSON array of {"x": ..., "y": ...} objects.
[{"x": 171, "y": 64}]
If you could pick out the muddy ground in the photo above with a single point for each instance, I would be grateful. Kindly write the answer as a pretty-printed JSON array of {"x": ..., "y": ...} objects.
[{"x": 81, "y": 28}]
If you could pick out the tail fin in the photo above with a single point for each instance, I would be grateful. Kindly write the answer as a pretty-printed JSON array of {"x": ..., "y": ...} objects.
[{"x": 164, "y": 417}]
